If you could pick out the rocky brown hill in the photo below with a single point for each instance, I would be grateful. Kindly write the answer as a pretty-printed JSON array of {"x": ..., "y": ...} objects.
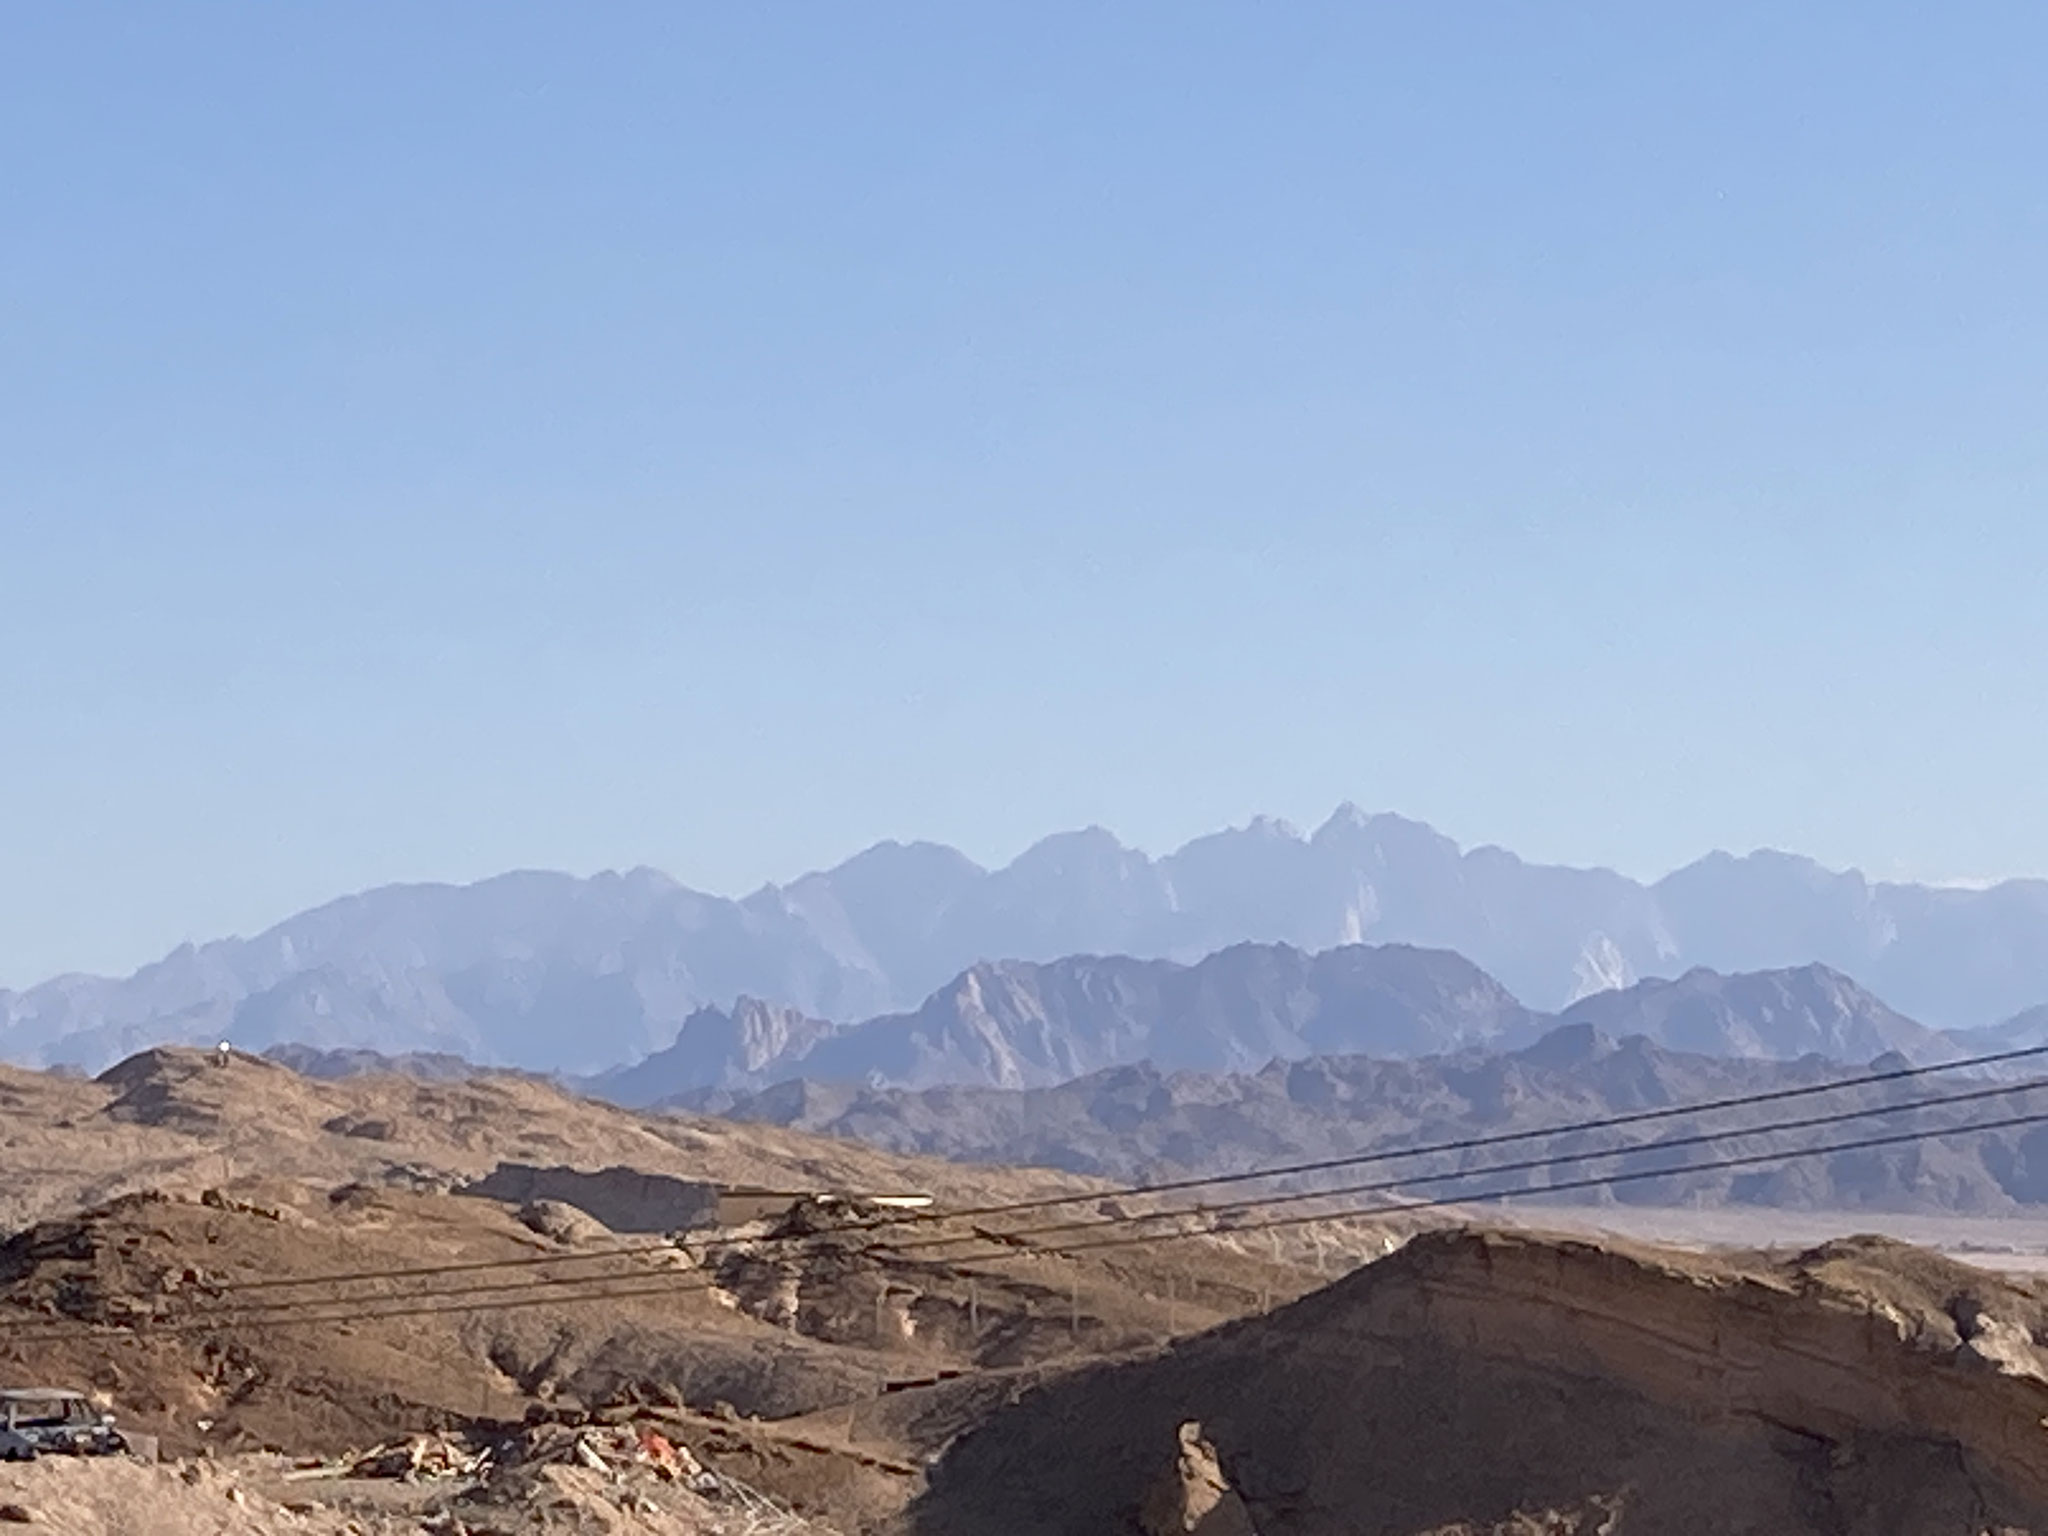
[
  {"x": 241, "y": 1257},
  {"x": 1484, "y": 1382},
  {"x": 174, "y": 1122}
]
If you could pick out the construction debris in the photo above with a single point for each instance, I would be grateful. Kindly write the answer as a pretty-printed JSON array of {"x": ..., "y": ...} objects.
[
  {"x": 419, "y": 1459},
  {"x": 613, "y": 1450},
  {"x": 584, "y": 1474}
]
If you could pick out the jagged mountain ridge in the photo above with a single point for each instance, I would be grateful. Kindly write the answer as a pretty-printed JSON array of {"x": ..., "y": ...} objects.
[
  {"x": 1017, "y": 1024},
  {"x": 716, "y": 1048},
  {"x": 553, "y": 972}
]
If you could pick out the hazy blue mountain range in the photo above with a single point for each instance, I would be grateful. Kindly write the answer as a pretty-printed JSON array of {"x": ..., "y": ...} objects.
[
  {"x": 553, "y": 972},
  {"x": 1021, "y": 1024},
  {"x": 1807, "y": 1010},
  {"x": 2022, "y": 1031}
]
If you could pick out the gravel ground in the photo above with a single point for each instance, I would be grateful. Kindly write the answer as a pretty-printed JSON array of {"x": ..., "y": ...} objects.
[{"x": 112, "y": 1496}]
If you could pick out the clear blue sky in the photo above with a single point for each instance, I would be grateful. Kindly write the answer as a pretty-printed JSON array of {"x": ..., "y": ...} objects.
[{"x": 436, "y": 439}]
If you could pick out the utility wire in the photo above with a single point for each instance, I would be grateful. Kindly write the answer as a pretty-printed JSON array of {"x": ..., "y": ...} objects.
[
  {"x": 1512, "y": 1192},
  {"x": 371, "y": 1309},
  {"x": 1504, "y": 1138},
  {"x": 696, "y": 1246},
  {"x": 1386, "y": 1186},
  {"x": 1061, "y": 1229}
]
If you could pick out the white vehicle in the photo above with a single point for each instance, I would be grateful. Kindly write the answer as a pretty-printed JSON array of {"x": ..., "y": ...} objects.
[{"x": 52, "y": 1421}]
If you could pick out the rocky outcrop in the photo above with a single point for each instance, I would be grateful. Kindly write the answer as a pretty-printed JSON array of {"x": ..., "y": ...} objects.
[
  {"x": 1192, "y": 1498},
  {"x": 1475, "y": 1380},
  {"x": 1858, "y": 1341},
  {"x": 716, "y": 1048}
]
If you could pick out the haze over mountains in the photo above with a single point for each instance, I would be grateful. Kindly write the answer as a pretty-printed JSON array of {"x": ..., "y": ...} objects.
[
  {"x": 553, "y": 972},
  {"x": 1018, "y": 1024},
  {"x": 1021, "y": 1024}
]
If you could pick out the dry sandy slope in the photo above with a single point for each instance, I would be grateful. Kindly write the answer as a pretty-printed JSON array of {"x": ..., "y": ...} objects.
[
  {"x": 124, "y": 1498},
  {"x": 248, "y": 1497}
]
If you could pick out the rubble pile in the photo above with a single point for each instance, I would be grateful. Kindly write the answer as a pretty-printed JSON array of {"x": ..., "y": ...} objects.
[
  {"x": 418, "y": 1459},
  {"x": 615, "y": 1450},
  {"x": 631, "y": 1475},
  {"x": 552, "y": 1476}
]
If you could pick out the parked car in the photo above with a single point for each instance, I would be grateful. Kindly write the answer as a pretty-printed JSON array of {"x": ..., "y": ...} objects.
[{"x": 51, "y": 1421}]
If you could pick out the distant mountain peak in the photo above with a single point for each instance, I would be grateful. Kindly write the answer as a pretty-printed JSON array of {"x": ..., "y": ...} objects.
[
  {"x": 1347, "y": 817},
  {"x": 1802, "y": 1010},
  {"x": 1276, "y": 827},
  {"x": 1092, "y": 840},
  {"x": 916, "y": 854},
  {"x": 1349, "y": 822}
]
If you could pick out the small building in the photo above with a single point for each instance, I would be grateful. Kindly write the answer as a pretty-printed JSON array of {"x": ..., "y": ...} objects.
[{"x": 739, "y": 1204}]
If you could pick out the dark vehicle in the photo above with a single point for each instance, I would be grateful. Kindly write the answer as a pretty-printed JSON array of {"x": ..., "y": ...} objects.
[{"x": 49, "y": 1421}]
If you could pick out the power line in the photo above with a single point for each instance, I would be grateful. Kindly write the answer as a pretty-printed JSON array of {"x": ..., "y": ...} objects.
[
  {"x": 1554, "y": 1160},
  {"x": 372, "y": 1309},
  {"x": 1505, "y": 1138},
  {"x": 695, "y": 1246},
  {"x": 1769, "y": 1128},
  {"x": 298, "y": 1318},
  {"x": 1596, "y": 1181}
]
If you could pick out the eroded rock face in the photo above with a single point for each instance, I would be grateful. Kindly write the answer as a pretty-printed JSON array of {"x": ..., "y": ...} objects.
[
  {"x": 1853, "y": 1342},
  {"x": 1479, "y": 1381},
  {"x": 1193, "y": 1498},
  {"x": 562, "y": 1222}
]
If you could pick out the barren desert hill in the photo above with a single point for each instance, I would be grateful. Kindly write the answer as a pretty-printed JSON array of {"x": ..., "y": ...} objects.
[
  {"x": 236, "y": 1257},
  {"x": 175, "y": 1120},
  {"x": 1481, "y": 1381}
]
